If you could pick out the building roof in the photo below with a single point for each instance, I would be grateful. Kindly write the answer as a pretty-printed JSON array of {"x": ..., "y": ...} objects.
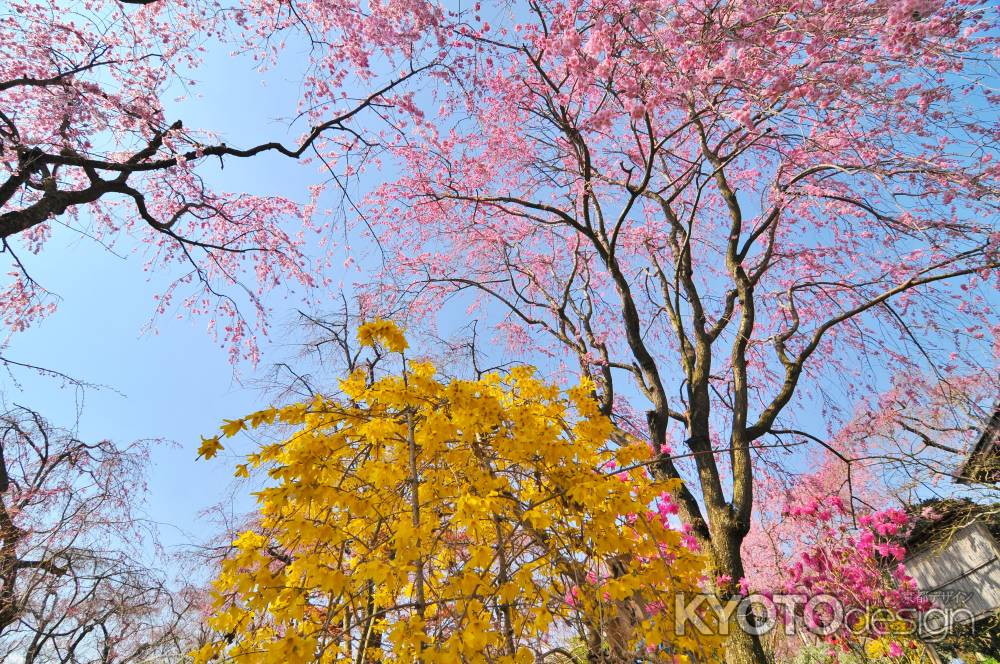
[
  {"x": 982, "y": 466},
  {"x": 934, "y": 521}
]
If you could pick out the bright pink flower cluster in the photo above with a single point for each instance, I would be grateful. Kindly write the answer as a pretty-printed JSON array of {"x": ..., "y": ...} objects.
[{"x": 860, "y": 567}]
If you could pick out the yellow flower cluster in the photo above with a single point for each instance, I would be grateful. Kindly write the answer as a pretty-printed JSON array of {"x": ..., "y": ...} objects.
[
  {"x": 463, "y": 521},
  {"x": 385, "y": 332},
  {"x": 897, "y": 645}
]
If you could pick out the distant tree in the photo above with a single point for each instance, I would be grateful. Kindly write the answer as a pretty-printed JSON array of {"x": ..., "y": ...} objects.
[{"x": 71, "y": 589}]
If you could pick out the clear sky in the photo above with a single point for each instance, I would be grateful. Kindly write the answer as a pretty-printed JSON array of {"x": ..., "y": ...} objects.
[{"x": 173, "y": 382}]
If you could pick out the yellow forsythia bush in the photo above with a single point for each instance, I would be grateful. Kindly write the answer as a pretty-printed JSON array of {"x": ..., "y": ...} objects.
[{"x": 416, "y": 520}]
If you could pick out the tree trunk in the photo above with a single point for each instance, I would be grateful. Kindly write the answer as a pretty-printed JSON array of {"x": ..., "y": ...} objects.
[
  {"x": 727, "y": 538},
  {"x": 743, "y": 648}
]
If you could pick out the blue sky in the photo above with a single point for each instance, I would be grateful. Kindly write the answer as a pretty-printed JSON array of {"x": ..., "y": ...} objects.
[
  {"x": 174, "y": 381},
  {"x": 174, "y": 384}
]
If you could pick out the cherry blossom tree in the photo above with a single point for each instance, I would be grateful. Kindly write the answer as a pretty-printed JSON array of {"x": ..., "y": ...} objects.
[
  {"x": 87, "y": 141},
  {"x": 737, "y": 218},
  {"x": 918, "y": 433}
]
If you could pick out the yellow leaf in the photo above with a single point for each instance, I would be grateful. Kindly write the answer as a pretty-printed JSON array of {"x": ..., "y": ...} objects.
[
  {"x": 209, "y": 447},
  {"x": 233, "y": 427}
]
